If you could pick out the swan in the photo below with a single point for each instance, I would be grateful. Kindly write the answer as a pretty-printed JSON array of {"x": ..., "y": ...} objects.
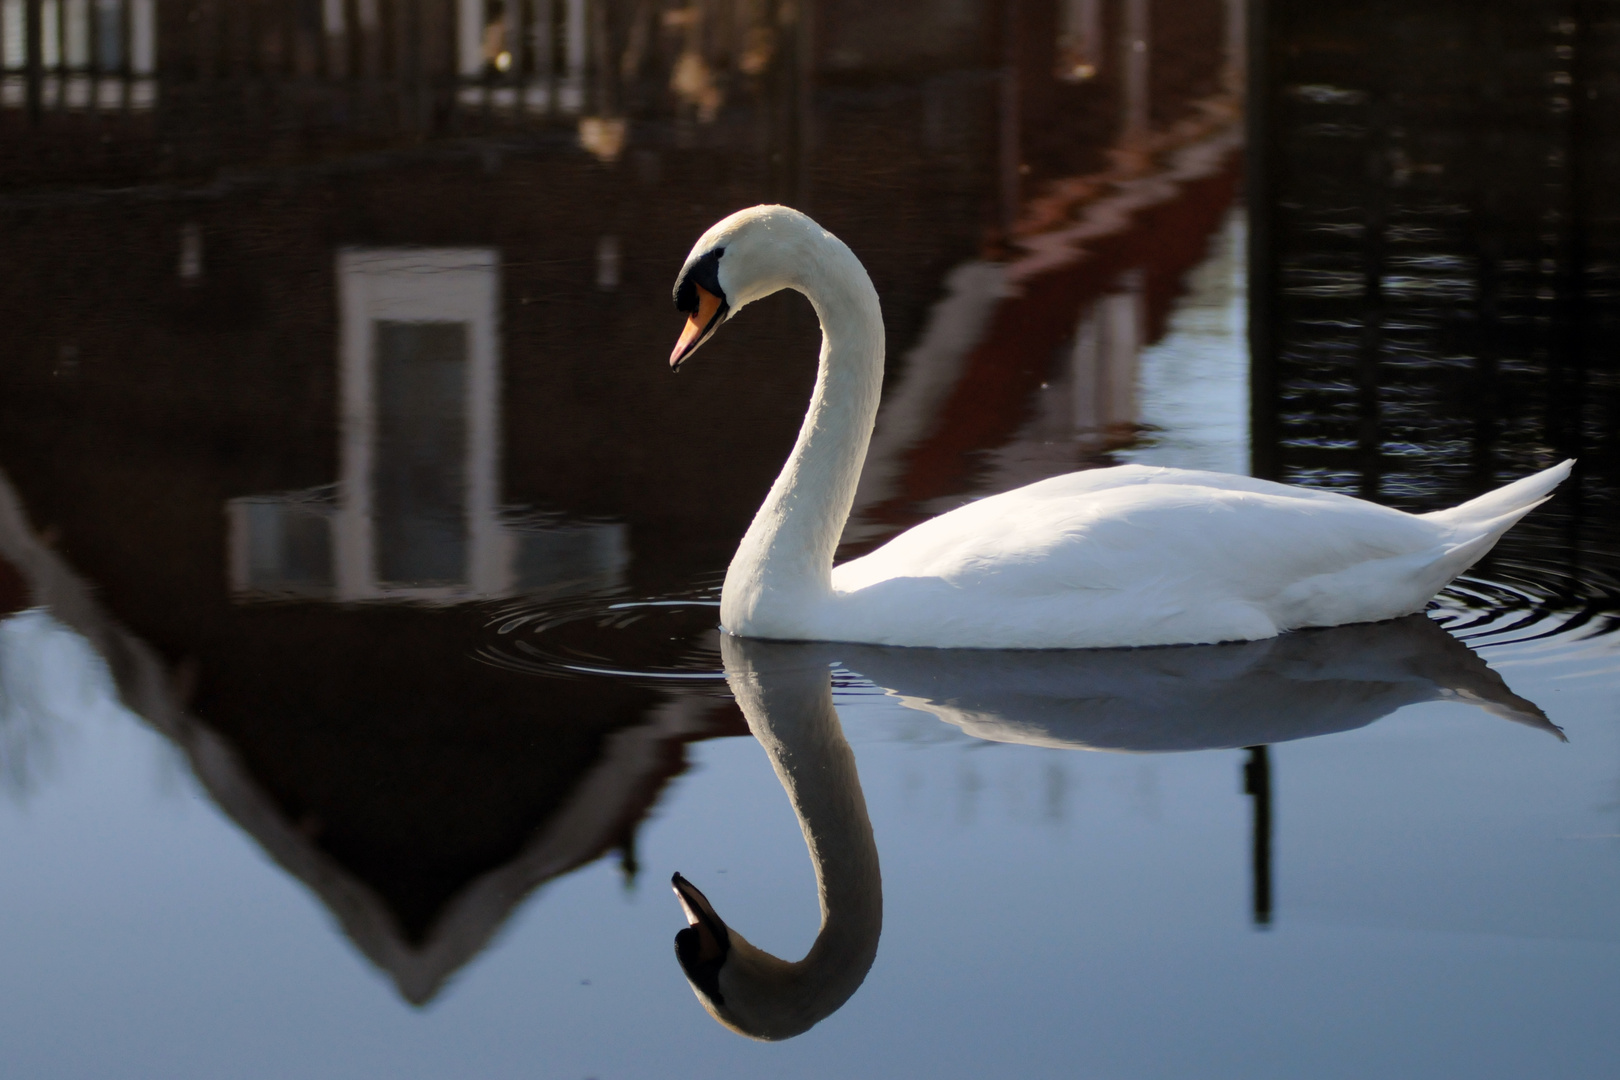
[
  {"x": 1126, "y": 556},
  {"x": 786, "y": 696}
]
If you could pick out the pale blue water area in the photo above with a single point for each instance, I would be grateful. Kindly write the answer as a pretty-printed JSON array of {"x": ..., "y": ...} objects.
[{"x": 1446, "y": 882}]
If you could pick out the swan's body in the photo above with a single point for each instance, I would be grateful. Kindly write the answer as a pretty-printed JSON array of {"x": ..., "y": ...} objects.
[{"x": 1111, "y": 557}]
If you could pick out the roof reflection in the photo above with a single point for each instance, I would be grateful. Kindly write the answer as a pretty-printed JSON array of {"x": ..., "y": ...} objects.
[{"x": 421, "y": 825}]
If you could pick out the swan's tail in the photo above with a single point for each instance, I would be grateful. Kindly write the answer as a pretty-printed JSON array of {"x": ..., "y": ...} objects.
[
  {"x": 1498, "y": 700},
  {"x": 1513, "y": 501},
  {"x": 1478, "y": 524},
  {"x": 1496, "y": 510}
]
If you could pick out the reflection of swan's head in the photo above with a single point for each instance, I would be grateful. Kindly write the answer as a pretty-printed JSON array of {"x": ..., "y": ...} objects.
[
  {"x": 786, "y": 694},
  {"x": 704, "y": 947},
  {"x": 741, "y": 986},
  {"x": 746, "y": 257}
]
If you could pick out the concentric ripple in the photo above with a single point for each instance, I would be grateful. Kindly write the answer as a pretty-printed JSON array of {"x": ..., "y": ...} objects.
[
  {"x": 656, "y": 640},
  {"x": 1530, "y": 608}
]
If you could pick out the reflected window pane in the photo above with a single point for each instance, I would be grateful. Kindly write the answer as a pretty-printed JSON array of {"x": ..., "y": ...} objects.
[
  {"x": 289, "y": 548},
  {"x": 419, "y": 475},
  {"x": 13, "y": 34},
  {"x": 109, "y": 35}
]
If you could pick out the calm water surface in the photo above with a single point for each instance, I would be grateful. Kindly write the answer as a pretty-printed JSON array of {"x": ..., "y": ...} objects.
[{"x": 359, "y": 560}]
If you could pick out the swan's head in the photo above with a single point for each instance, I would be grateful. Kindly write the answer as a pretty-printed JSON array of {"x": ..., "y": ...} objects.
[
  {"x": 746, "y": 988},
  {"x": 746, "y": 257}
]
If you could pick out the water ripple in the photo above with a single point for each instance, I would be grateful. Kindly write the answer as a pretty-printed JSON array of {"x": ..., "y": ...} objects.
[
  {"x": 651, "y": 640},
  {"x": 1526, "y": 612}
]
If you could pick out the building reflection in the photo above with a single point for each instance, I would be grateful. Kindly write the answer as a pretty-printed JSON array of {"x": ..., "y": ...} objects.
[
  {"x": 387, "y": 282},
  {"x": 78, "y": 55},
  {"x": 423, "y": 871}
]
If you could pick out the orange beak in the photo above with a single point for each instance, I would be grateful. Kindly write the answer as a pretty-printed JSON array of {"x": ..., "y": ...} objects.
[{"x": 699, "y": 326}]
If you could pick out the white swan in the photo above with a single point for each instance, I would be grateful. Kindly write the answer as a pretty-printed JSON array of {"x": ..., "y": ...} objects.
[
  {"x": 1110, "y": 557},
  {"x": 786, "y": 694}
]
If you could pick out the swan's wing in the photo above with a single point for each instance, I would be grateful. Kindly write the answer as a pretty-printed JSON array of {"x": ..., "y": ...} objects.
[
  {"x": 1145, "y": 556},
  {"x": 1043, "y": 537},
  {"x": 1090, "y": 481}
]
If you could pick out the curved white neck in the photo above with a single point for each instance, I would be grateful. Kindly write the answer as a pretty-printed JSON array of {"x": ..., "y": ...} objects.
[
  {"x": 785, "y": 692},
  {"x": 784, "y": 563}
]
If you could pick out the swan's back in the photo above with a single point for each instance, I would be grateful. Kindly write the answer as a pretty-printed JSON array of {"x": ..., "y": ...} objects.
[{"x": 1144, "y": 556}]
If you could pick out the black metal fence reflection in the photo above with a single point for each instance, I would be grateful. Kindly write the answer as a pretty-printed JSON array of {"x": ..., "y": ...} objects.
[{"x": 1434, "y": 265}]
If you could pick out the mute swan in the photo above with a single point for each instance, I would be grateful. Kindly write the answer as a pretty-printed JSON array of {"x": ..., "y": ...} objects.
[
  {"x": 1111, "y": 557},
  {"x": 786, "y": 695}
]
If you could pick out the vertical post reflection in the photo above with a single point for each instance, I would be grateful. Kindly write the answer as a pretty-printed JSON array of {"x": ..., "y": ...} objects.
[
  {"x": 1136, "y": 119},
  {"x": 35, "y": 54},
  {"x": 1259, "y": 180},
  {"x": 1257, "y": 783},
  {"x": 1565, "y": 224},
  {"x": 1010, "y": 150},
  {"x": 1380, "y": 151}
]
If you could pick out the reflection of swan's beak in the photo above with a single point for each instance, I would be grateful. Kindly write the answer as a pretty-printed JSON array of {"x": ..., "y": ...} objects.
[
  {"x": 700, "y": 326},
  {"x": 703, "y": 945}
]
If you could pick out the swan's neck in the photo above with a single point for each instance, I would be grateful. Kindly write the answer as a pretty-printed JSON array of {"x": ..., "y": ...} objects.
[
  {"x": 783, "y": 566},
  {"x": 791, "y": 712}
]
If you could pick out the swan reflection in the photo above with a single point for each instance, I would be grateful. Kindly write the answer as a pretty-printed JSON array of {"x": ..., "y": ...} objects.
[
  {"x": 1166, "y": 699},
  {"x": 785, "y": 691},
  {"x": 1203, "y": 697}
]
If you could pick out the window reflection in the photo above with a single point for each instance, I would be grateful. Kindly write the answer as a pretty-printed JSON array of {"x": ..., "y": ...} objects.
[
  {"x": 99, "y": 54},
  {"x": 419, "y": 501},
  {"x": 415, "y": 515}
]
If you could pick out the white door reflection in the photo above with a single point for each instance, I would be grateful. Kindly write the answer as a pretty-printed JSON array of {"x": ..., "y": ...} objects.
[
  {"x": 1102, "y": 362},
  {"x": 415, "y": 514}
]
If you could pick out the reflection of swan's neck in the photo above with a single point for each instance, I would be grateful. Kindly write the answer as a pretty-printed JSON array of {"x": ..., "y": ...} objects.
[
  {"x": 790, "y": 711},
  {"x": 785, "y": 559}
]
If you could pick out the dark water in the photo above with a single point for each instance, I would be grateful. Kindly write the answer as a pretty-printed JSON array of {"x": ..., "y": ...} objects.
[{"x": 359, "y": 686}]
